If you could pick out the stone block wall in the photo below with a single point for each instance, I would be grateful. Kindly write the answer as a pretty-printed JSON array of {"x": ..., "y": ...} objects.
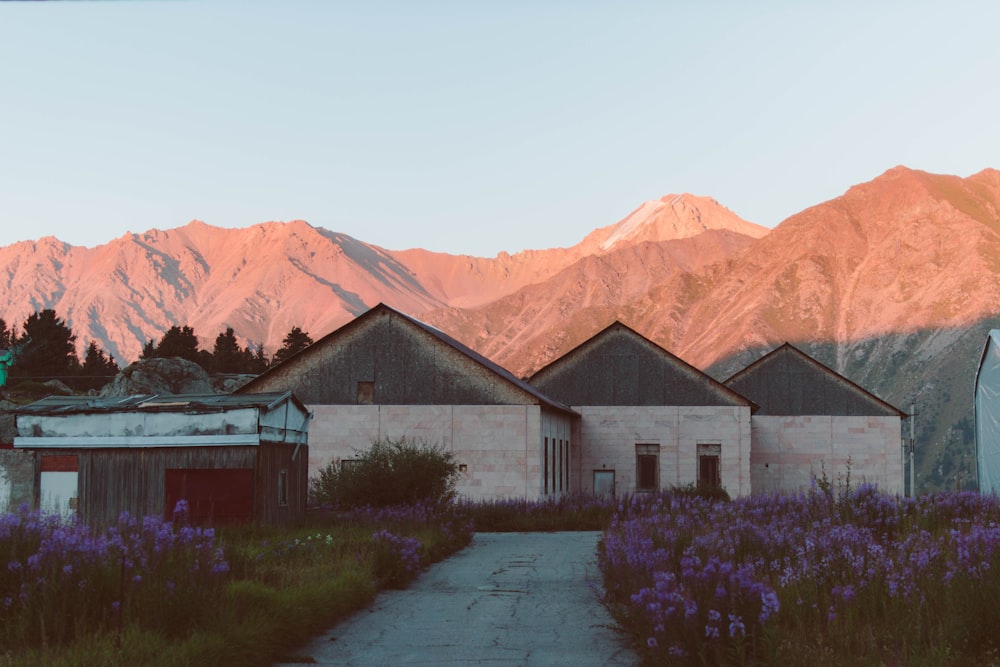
[
  {"x": 789, "y": 452},
  {"x": 498, "y": 447},
  {"x": 610, "y": 435}
]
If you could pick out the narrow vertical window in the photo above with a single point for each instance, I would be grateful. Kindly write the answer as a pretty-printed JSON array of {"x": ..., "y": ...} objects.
[
  {"x": 553, "y": 465},
  {"x": 647, "y": 467},
  {"x": 283, "y": 488},
  {"x": 709, "y": 465},
  {"x": 545, "y": 466},
  {"x": 568, "y": 488},
  {"x": 366, "y": 393},
  {"x": 560, "y": 465}
]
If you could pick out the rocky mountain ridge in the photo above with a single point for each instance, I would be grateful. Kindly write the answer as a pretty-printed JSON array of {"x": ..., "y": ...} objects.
[{"x": 894, "y": 284}]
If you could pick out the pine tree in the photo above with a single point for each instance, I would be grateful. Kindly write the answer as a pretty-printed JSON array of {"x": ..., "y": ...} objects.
[
  {"x": 148, "y": 350},
  {"x": 227, "y": 356},
  {"x": 98, "y": 369},
  {"x": 179, "y": 342},
  {"x": 295, "y": 341},
  {"x": 48, "y": 349},
  {"x": 7, "y": 336}
]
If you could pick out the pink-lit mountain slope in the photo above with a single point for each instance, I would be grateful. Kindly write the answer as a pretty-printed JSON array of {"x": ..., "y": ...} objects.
[
  {"x": 895, "y": 284},
  {"x": 265, "y": 279}
]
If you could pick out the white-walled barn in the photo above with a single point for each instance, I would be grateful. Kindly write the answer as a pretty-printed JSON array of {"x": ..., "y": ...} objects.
[
  {"x": 386, "y": 375},
  {"x": 812, "y": 421}
]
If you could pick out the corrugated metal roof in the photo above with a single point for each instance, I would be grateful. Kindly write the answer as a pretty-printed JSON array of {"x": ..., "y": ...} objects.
[{"x": 57, "y": 405}]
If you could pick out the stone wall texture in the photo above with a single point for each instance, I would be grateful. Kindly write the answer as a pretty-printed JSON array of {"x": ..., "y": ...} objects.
[
  {"x": 611, "y": 434},
  {"x": 789, "y": 452},
  {"x": 499, "y": 446}
]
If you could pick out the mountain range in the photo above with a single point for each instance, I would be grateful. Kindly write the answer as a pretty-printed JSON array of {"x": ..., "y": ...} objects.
[{"x": 894, "y": 284}]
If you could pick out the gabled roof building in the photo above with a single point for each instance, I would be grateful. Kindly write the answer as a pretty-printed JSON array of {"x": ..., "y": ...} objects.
[
  {"x": 386, "y": 375},
  {"x": 813, "y": 422},
  {"x": 232, "y": 458},
  {"x": 649, "y": 420}
]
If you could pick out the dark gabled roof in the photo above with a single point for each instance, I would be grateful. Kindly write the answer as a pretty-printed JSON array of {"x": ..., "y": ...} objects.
[
  {"x": 190, "y": 403},
  {"x": 685, "y": 384},
  {"x": 829, "y": 392},
  {"x": 443, "y": 338}
]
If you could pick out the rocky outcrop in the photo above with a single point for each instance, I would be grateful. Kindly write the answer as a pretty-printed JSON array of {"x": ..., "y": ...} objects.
[{"x": 160, "y": 376}]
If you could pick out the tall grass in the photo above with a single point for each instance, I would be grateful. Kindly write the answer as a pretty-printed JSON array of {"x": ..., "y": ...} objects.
[
  {"x": 822, "y": 578},
  {"x": 157, "y": 593},
  {"x": 569, "y": 512}
]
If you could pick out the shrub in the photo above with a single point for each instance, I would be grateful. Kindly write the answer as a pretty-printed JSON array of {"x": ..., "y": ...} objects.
[{"x": 390, "y": 472}]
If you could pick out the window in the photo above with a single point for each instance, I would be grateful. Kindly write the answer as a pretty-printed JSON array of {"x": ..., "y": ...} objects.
[
  {"x": 647, "y": 467},
  {"x": 567, "y": 467},
  {"x": 283, "y": 488},
  {"x": 545, "y": 467},
  {"x": 554, "y": 465},
  {"x": 604, "y": 482},
  {"x": 561, "y": 471},
  {"x": 348, "y": 464},
  {"x": 709, "y": 469},
  {"x": 366, "y": 393}
]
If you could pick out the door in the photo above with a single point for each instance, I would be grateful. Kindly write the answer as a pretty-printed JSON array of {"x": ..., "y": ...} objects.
[
  {"x": 213, "y": 495},
  {"x": 58, "y": 485},
  {"x": 604, "y": 482}
]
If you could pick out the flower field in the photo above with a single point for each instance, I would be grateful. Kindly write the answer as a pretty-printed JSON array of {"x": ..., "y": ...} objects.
[
  {"x": 146, "y": 591},
  {"x": 822, "y": 578}
]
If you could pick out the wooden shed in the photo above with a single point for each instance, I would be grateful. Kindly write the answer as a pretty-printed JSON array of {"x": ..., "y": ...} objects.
[
  {"x": 386, "y": 375},
  {"x": 649, "y": 420},
  {"x": 232, "y": 458},
  {"x": 813, "y": 421}
]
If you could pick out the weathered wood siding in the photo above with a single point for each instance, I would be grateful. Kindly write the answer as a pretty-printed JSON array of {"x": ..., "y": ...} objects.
[
  {"x": 272, "y": 459},
  {"x": 404, "y": 365},
  {"x": 620, "y": 367},
  {"x": 132, "y": 480},
  {"x": 788, "y": 383}
]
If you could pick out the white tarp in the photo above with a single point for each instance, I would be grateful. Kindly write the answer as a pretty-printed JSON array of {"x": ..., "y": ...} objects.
[{"x": 987, "y": 409}]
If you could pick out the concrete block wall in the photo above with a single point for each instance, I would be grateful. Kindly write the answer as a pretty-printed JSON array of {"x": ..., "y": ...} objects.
[
  {"x": 17, "y": 479},
  {"x": 610, "y": 434},
  {"x": 789, "y": 452},
  {"x": 498, "y": 445}
]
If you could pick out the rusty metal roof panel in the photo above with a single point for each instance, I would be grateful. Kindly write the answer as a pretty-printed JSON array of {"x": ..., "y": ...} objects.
[{"x": 56, "y": 405}]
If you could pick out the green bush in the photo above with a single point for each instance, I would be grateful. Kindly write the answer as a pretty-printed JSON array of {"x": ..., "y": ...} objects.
[{"x": 390, "y": 472}]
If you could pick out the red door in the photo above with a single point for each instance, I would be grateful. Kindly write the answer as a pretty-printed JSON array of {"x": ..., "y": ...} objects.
[{"x": 213, "y": 496}]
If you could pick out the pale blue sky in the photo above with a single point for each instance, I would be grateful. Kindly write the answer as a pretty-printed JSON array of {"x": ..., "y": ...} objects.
[{"x": 475, "y": 127}]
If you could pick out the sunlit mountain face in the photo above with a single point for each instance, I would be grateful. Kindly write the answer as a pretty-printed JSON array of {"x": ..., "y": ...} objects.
[{"x": 894, "y": 284}]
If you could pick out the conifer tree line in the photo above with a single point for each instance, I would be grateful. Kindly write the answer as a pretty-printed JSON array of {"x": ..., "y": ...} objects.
[{"x": 45, "y": 349}]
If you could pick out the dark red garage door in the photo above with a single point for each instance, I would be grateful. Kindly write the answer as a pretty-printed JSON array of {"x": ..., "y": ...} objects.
[{"x": 214, "y": 496}]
